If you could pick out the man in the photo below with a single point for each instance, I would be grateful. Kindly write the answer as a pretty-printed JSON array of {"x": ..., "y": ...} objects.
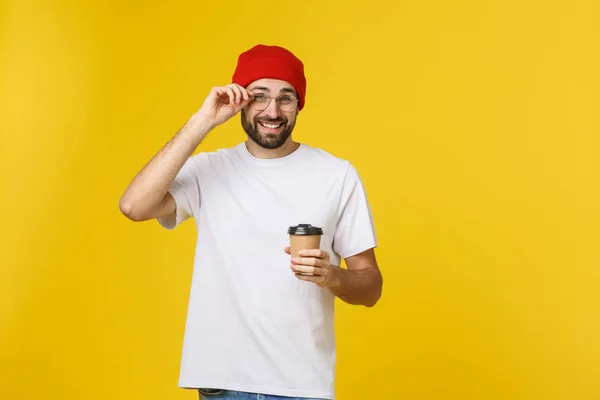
[{"x": 261, "y": 323}]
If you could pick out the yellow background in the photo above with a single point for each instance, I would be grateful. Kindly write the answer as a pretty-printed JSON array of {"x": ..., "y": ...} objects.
[{"x": 474, "y": 125}]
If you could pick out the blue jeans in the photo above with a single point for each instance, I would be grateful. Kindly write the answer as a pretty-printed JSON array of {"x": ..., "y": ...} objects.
[{"x": 218, "y": 394}]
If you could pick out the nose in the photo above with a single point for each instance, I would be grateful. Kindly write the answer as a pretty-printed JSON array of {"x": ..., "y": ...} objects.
[{"x": 272, "y": 110}]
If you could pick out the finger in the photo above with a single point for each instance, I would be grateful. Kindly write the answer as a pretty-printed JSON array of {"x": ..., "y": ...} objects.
[
  {"x": 304, "y": 261},
  {"x": 303, "y": 266},
  {"x": 305, "y": 269},
  {"x": 313, "y": 253},
  {"x": 310, "y": 261},
  {"x": 245, "y": 94},
  {"x": 230, "y": 94},
  {"x": 221, "y": 94},
  {"x": 311, "y": 278},
  {"x": 237, "y": 93},
  {"x": 287, "y": 249}
]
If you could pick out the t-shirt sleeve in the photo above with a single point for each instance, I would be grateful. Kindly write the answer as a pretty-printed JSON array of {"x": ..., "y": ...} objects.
[
  {"x": 355, "y": 230},
  {"x": 185, "y": 189}
]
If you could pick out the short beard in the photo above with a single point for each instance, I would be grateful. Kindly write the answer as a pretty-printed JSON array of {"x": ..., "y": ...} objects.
[{"x": 267, "y": 141}]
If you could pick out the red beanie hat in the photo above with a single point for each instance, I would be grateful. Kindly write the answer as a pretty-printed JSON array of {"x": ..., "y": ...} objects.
[{"x": 273, "y": 62}]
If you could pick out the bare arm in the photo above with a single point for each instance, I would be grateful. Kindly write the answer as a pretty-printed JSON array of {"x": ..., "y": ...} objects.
[
  {"x": 360, "y": 284},
  {"x": 147, "y": 195}
]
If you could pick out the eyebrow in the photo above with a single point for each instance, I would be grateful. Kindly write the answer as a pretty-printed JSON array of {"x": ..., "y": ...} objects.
[{"x": 266, "y": 89}]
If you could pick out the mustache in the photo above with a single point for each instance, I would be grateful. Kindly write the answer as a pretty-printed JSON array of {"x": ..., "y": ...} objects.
[{"x": 272, "y": 120}]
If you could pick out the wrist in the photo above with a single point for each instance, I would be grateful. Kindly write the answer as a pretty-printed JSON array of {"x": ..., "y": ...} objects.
[
  {"x": 199, "y": 126},
  {"x": 335, "y": 281}
]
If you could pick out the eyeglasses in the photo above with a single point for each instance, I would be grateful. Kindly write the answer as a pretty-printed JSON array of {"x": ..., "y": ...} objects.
[{"x": 286, "y": 102}]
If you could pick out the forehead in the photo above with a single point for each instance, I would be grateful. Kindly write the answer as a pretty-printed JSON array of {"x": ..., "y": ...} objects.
[{"x": 271, "y": 85}]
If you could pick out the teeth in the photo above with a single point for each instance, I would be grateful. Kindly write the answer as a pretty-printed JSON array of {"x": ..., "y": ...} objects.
[{"x": 270, "y": 126}]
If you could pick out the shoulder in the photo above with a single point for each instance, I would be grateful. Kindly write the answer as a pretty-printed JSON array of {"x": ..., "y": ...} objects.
[
  {"x": 220, "y": 153},
  {"x": 328, "y": 162},
  {"x": 325, "y": 158},
  {"x": 213, "y": 159}
]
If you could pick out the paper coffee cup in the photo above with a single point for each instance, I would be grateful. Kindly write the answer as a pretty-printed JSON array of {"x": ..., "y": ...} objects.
[{"x": 304, "y": 237}]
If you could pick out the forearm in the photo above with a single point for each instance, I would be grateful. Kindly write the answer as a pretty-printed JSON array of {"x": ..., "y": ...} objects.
[
  {"x": 359, "y": 287},
  {"x": 150, "y": 185}
]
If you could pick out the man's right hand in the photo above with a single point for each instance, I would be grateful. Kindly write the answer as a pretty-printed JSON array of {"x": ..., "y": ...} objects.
[
  {"x": 222, "y": 103},
  {"x": 147, "y": 195}
]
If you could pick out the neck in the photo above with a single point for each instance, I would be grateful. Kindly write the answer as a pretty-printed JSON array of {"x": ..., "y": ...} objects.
[{"x": 260, "y": 152}]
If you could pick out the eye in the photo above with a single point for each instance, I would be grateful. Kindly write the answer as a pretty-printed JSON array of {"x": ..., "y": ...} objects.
[
  {"x": 286, "y": 99},
  {"x": 260, "y": 97}
]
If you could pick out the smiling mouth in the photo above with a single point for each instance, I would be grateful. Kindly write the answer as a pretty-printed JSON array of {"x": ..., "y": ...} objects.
[{"x": 270, "y": 125}]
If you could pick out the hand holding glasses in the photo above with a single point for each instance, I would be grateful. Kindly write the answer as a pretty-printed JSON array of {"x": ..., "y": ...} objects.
[{"x": 223, "y": 102}]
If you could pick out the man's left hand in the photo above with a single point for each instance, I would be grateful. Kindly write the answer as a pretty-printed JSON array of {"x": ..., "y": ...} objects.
[{"x": 317, "y": 263}]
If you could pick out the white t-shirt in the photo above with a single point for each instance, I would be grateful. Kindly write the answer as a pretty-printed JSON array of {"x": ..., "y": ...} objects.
[{"x": 251, "y": 324}]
